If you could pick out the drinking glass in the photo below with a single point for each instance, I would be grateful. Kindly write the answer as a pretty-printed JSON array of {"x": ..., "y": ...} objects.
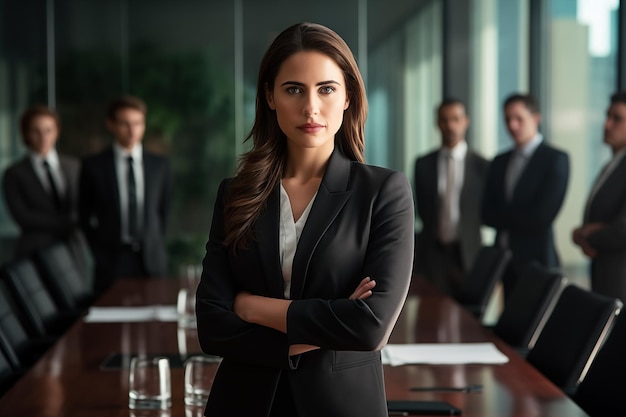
[
  {"x": 149, "y": 383},
  {"x": 199, "y": 374},
  {"x": 186, "y": 308}
]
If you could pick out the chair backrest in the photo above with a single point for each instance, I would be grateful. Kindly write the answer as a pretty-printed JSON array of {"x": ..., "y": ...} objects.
[
  {"x": 572, "y": 336},
  {"x": 529, "y": 305},
  {"x": 61, "y": 275},
  {"x": 82, "y": 255},
  {"x": 8, "y": 374},
  {"x": 33, "y": 297},
  {"x": 601, "y": 392},
  {"x": 14, "y": 338},
  {"x": 487, "y": 270}
]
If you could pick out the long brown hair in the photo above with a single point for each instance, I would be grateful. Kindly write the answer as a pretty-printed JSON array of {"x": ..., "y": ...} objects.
[{"x": 260, "y": 169}]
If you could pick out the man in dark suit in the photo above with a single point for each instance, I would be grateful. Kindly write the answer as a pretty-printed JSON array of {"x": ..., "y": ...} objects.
[
  {"x": 124, "y": 200},
  {"x": 447, "y": 182},
  {"x": 41, "y": 189},
  {"x": 525, "y": 190},
  {"x": 602, "y": 237}
]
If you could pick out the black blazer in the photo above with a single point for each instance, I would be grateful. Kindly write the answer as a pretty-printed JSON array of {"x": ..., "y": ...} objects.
[
  {"x": 33, "y": 208},
  {"x": 360, "y": 224},
  {"x": 99, "y": 211},
  {"x": 608, "y": 268},
  {"x": 536, "y": 201},
  {"x": 427, "y": 202}
]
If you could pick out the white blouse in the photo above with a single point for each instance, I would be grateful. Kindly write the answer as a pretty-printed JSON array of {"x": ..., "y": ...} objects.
[{"x": 289, "y": 235}]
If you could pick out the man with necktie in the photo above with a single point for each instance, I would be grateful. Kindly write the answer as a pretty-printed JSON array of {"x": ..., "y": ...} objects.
[
  {"x": 525, "y": 190},
  {"x": 602, "y": 236},
  {"x": 40, "y": 189},
  {"x": 124, "y": 200},
  {"x": 447, "y": 182}
]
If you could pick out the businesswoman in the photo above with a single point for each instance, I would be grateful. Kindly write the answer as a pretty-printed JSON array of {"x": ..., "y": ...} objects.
[
  {"x": 310, "y": 251},
  {"x": 40, "y": 189}
]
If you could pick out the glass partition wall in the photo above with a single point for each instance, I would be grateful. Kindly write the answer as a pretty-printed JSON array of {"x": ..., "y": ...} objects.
[{"x": 195, "y": 63}]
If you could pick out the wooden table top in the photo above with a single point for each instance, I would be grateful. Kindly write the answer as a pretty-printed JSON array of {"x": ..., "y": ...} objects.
[{"x": 68, "y": 380}]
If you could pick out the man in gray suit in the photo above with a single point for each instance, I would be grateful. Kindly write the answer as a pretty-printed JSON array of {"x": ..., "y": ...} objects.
[
  {"x": 448, "y": 185},
  {"x": 602, "y": 236},
  {"x": 124, "y": 200},
  {"x": 41, "y": 188},
  {"x": 524, "y": 191}
]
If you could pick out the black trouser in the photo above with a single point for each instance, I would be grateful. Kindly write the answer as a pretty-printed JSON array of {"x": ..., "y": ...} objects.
[{"x": 283, "y": 404}]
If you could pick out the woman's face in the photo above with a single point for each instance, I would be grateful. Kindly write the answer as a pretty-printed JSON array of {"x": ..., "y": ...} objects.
[
  {"x": 309, "y": 98},
  {"x": 42, "y": 134}
]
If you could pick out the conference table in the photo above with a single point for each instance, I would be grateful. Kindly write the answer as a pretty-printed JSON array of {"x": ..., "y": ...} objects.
[{"x": 70, "y": 380}]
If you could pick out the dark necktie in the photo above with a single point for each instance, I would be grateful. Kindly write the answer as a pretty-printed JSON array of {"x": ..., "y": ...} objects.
[
  {"x": 54, "y": 191},
  {"x": 133, "y": 227}
]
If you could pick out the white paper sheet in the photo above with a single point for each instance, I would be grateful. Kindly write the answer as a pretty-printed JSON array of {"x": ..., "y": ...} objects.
[
  {"x": 131, "y": 314},
  {"x": 442, "y": 354}
]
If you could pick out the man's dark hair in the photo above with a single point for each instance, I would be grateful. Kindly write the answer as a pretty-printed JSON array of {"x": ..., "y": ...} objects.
[
  {"x": 126, "y": 102},
  {"x": 619, "y": 97},
  {"x": 449, "y": 101},
  {"x": 526, "y": 99}
]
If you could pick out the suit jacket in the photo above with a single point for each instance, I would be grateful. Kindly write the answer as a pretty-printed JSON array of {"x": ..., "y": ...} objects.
[
  {"x": 608, "y": 268},
  {"x": 360, "y": 224},
  {"x": 427, "y": 201},
  {"x": 100, "y": 218},
  {"x": 33, "y": 208},
  {"x": 535, "y": 203}
]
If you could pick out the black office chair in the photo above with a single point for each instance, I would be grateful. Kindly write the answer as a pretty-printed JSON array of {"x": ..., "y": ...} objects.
[
  {"x": 21, "y": 349},
  {"x": 42, "y": 314},
  {"x": 62, "y": 277},
  {"x": 81, "y": 253},
  {"x": 488, "y": 268},
  {"x": 601, "y": 392},
  {"x": 528, "y": 308},
  {"x": 8, "y": 375},
  {"x": 574, "y": 332}
]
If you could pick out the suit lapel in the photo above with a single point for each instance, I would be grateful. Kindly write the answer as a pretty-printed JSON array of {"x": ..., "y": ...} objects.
[
  {"x": 468, "y": 181},
  {"x": 68, "y": 197},
  {"x": 331, "y": 198},
  {"x": 434, "y": 180},
  {"x": 29, "y": 171},
  {"x": 32, "y": 178},
  {"x": 266, "y": 233},
  {"x": 531, "y": 168},
  {"x": 111, "y": 177},
  {"x": 612, "y": 185},
  {"x": 148, "y": 184}
]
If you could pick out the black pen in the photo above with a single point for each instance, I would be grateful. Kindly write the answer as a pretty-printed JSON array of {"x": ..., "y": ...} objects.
[
  {"x": 469, "y": 388},
  {"x": 398, "y": 413}
]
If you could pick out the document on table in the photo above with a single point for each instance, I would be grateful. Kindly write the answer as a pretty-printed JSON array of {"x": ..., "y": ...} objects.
[
  {"x": 132, "y": 314},
  {"x": 442, "y": 354}
]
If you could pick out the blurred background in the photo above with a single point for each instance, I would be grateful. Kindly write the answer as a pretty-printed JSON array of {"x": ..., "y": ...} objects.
[{"x": 195, "y": 63}]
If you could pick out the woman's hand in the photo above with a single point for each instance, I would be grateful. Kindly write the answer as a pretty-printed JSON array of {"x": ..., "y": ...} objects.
[{"x": 364, "y": 290}]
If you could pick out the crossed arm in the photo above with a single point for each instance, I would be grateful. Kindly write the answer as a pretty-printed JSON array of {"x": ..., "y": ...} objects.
[{"x": 272, "y": 312}]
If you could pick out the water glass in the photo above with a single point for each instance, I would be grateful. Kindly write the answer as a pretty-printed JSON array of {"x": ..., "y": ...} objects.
[
  {"x": 186, "y": 308},
  {"x": 149, "y": 383},
  {"x": 199, "y": 374}
]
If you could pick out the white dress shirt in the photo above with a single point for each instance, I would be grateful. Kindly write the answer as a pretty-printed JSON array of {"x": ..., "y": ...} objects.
[
  {"x": 289, "y": 236},
  {"x": 457, "y": 154},
  {"x": 121, "y": 169},
  {"x": 52, "y": 158}
]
